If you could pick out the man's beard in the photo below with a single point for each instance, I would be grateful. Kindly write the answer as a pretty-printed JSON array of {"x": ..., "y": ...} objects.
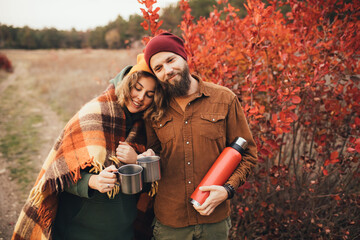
[{"x": 178, "y": 88}]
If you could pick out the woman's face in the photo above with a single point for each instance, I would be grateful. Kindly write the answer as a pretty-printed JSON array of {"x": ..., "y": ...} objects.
[{"x": 141, "y": 95}]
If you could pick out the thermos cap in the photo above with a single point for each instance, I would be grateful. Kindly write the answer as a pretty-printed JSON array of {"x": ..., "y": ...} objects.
[
  {"x": 194, "y": 202},
  {"x": 239, "y": 144}
]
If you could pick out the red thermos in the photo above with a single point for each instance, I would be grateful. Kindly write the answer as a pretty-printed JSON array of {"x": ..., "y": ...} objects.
[{"x": 221, "y": 170}]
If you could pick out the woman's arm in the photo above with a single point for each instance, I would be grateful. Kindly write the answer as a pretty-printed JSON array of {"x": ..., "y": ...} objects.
[
  {"x": 81, "y": 187},
  {"x": 102, "y": 182}
]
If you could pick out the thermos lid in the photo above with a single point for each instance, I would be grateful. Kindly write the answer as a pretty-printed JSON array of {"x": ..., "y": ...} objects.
[
  {"x": 194, "y": 202},
  {"x": 239, "y": 144}
]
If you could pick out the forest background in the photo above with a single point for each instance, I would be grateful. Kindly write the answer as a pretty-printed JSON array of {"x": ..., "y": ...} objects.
[
  {"x": 117, "y": 34},
  {"x": 293, "y": 64}
]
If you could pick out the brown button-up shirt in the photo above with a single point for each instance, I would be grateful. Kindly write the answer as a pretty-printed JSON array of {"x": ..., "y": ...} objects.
[{"x": 189, "y": 142}]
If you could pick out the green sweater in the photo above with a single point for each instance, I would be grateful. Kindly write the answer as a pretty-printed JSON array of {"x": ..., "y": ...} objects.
[{"x": 87, "y": 214}]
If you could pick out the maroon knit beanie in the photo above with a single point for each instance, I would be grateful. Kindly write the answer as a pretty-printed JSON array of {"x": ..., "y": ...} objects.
[{"x": 164, "y": 42}]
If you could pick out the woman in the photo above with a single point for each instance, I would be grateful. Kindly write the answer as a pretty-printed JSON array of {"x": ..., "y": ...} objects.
[{"x": 75, "y": 195}]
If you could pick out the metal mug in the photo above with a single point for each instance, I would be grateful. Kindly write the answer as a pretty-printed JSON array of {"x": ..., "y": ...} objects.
[
  {"x": 151, "y": 165},
  {"x": 131, "y": 178}
]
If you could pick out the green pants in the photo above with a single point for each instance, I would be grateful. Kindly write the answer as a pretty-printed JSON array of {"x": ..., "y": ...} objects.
[{"x": 210, "y": 231}]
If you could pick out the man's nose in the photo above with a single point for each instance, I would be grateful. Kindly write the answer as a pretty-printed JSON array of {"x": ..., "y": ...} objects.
[{"x": 168, "y": 69}]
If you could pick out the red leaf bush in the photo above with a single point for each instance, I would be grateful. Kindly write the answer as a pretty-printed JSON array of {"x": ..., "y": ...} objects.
[
  {"x": 5, "y": 63},
  {"x": 297, "y": 76}
]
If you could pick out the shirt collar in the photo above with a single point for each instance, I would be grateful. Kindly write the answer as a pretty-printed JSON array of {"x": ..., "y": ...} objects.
[
  {"x": 202, "y": 91},
  {"x": 202, "y": 88}
]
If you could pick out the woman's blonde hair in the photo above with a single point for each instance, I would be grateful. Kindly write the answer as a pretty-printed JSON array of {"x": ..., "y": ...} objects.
[{"x": 157, "y": 108}]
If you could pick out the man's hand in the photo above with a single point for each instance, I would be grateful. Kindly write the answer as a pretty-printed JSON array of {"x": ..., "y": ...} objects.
[
  {"x": 218, "y": 194},
  {"x": 147, "y": 153}
]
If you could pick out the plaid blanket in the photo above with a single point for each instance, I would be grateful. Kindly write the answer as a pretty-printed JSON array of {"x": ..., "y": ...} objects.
[{"x": 89, "y": 140}]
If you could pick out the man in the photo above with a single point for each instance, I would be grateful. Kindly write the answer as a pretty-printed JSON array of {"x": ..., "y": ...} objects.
[{"x": 201, "y": 120}]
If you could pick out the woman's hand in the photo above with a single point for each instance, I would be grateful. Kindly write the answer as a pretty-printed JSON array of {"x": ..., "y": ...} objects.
[
  {"x": 147, "y": 153},
  {"x": 105, "y": 181},
  {"x": 125, "y": 153}
]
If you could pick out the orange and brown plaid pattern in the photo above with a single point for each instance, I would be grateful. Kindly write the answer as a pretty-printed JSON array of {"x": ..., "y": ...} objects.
[{"x": 88, "y": 140}]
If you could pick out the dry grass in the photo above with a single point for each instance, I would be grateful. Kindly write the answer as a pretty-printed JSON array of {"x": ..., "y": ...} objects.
[{"x": 67, "y": 79}]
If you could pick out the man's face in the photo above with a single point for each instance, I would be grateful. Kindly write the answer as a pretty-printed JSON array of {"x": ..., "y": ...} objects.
[{"x": 172, "y": 71}]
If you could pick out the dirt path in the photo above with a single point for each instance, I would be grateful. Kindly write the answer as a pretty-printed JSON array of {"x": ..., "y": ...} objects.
[{"x": 11, "y": 197}]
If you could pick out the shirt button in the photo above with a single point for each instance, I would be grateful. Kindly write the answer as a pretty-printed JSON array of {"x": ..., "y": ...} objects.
[
  {"x": 189, "y": 182},
  {"x": 213, "y": 119},
  {"x": 186, "y": 122},
  {"x": 187, "y": 142},
  {"x": 188, "y": 163},
  {"x": 160, "y": 125}
]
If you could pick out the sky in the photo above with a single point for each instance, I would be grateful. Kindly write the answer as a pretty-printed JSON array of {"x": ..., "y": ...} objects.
[{"x": 67, "y": 14}]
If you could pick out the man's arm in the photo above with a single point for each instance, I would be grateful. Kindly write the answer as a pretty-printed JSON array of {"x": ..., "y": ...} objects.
[{"x": 237, "y": 126}]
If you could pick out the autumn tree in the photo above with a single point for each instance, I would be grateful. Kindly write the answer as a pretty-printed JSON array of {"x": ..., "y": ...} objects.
[
  {"x": 112, "y": 38},
  {"x": 97, "y": 38},
  {"x": 295, "y": 67},
  {"x": 171, "y": 17},
  {"x": 134, "y": 31},
  {"x": 27, "y": 38}
]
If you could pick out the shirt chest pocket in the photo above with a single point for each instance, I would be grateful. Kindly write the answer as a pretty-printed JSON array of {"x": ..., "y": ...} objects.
[
  {"x": 212, "y": 126},
  {"x": 164, "y": 129}
]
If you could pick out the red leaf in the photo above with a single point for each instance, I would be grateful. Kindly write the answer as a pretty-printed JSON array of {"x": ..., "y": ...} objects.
[
  {"x": 145, "y": 13},
  {"x": 262, "y": 109},
  {"x": 145, "y": 25},
  {"x": 334, "y": 155},
  {"x": 278, "y": 130},
  {"x": 357, "y": 148},
  {"x": 331, "y": 161},
  {"x": 273, "y": 181},
  {"x": 257, "y": 18},
  {"x": 351, "y": 150},
  {"x": 253, "y": 80},
  {"x": 325, "y": 172},
  {"x": 336, "y": 197},
  {"x": 293, "y": 116},
  {"x": 156, "y": 10},
  {"x": 327, "y": 162},
  {"x": 274, "y": 118},
  {"x": 357, "y": 121},
  {"x": 253, "y": 110},
  {"x": 265, "y": 152},
  {"x": 295, "y": 99},
  {"x": 272, "y": 143},
  {"x": 291, "y": 107},
  {"x": 246, "y": 185},
  {"x": 262, "y": 88}
]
